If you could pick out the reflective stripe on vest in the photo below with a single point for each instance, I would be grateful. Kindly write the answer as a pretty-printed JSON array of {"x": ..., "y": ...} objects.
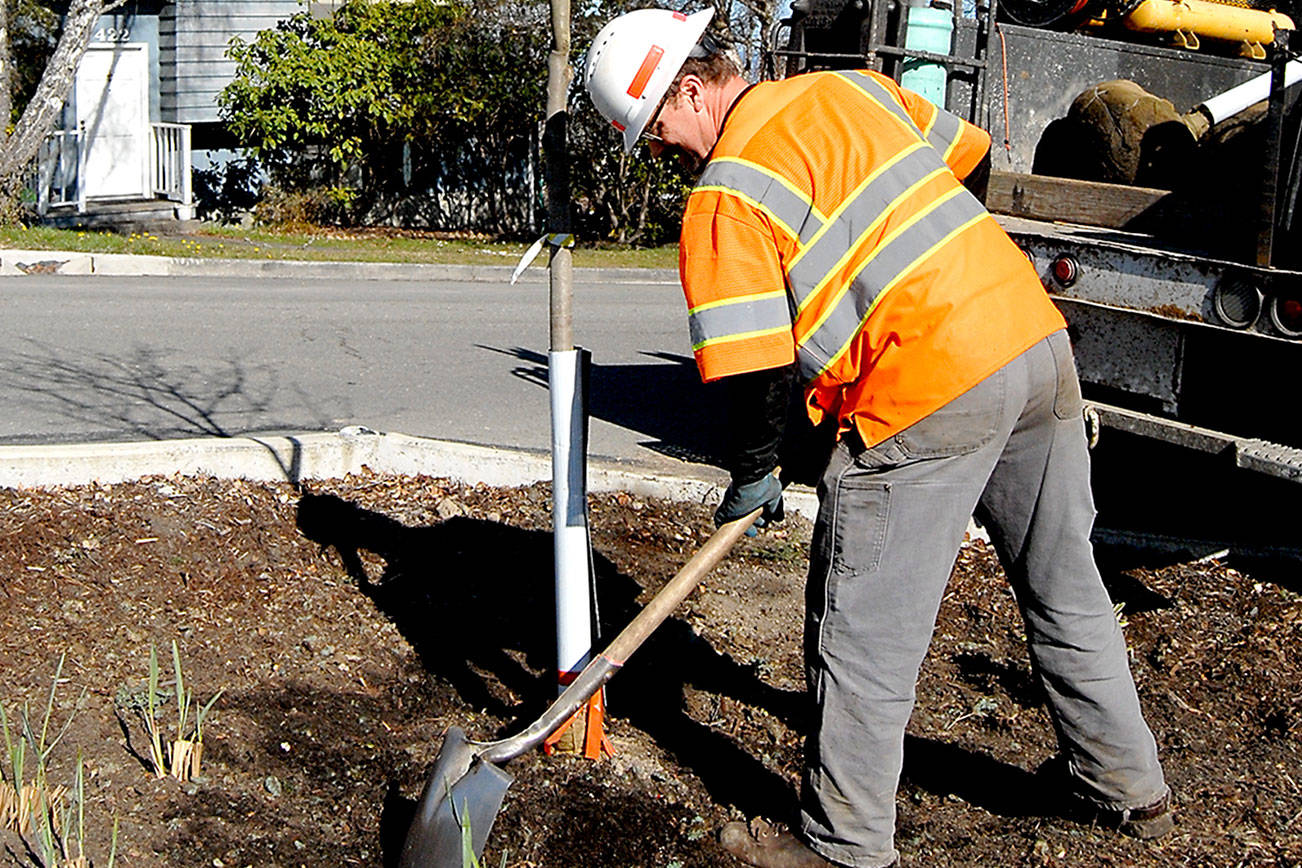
[
  {"x": 765, "y": 190},
  {"x": 884, "y": 98},
  {"x": 739, "y": 319},
  {"x": 858, "y": 215},
  {"x": 946, "y": 129},
  {"x": 897, "y": 255},
  {"x": 826, "y": 244},
  {"x": 942, "y": 133}
]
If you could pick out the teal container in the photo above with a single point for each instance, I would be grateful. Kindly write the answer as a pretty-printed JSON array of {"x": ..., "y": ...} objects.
[{"x": 928, "y": 29}]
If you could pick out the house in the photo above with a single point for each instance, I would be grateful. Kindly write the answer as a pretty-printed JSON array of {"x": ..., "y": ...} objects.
[{"x": 143, "y": 110}]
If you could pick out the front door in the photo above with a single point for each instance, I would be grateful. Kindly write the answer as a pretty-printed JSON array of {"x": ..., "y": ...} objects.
[{"x": 112, "y": 99}]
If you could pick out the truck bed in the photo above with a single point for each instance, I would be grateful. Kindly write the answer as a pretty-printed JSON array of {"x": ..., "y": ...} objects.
[{"x": 1155, "y": 358}]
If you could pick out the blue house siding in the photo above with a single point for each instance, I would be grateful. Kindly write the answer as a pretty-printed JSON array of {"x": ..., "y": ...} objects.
[
  {"x": 193, "y": 36},
  {"x": 187, "y": 42}
]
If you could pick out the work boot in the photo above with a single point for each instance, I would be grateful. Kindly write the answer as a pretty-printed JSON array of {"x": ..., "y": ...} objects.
[
  {"x": 1145, "y": 823},
  {"x": 767, "y": 845}
]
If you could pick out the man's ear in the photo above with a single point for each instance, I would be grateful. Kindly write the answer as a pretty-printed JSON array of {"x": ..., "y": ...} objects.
[{"x": 692, "y": 89}]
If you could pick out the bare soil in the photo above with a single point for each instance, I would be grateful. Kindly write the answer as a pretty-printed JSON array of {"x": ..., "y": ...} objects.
[{"x": 350, "y": 622}]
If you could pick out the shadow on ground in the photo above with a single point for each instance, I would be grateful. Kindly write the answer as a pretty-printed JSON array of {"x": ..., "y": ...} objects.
[
  {"x": 1165, "y": 505},
  {"x": 307, "y": 743},
  {"x": 472, "y": 597},
  {"x": 947, "y": 770},
  {"x": 663, "y": 399}
]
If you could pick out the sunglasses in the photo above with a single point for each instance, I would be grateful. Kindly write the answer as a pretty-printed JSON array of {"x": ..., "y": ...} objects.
[
  {"x": 705, "y": 47},
  {"x": 655, "y": 119}
]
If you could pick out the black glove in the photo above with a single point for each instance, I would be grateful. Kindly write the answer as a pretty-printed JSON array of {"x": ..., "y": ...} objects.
[{"x": 740, "y": 500}]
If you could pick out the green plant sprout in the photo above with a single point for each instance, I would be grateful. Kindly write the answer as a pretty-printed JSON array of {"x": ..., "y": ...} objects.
[
  {"x": 183, "y": 754},
  {"x": 81, "y": 860},
  {"x": 79, "y": 808},
  {"x": 151, "y": 718},
  {"x": 468, "y": 857},
  {"x": 48, "y": 841},
  {"x": 14, "y": 805},
  {"x": 21, "y": 799},
  {"x": 35, "y": 808}
]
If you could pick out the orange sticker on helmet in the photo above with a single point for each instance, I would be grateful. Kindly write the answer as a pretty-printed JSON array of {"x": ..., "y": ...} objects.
[{"x": 649, "y": 64}]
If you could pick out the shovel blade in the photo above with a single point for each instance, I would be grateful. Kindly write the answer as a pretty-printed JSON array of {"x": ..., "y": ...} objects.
[{"x": 457, "y": 808}]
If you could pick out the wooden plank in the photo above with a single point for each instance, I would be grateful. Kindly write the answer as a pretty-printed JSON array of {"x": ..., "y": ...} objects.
[
  {"x": 1040, "y": 197},
  {"x": 1216, "y": 223}
]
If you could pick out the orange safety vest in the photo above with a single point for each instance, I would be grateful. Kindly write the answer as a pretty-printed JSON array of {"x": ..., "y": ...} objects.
[{"x": 830, "y": 229}]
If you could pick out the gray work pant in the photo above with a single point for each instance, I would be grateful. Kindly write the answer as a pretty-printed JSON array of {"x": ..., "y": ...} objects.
[{"x": 891, "y": 519}]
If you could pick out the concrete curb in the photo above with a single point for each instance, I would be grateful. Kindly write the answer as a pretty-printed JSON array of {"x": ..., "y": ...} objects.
[
  {"x": 330, "y": 456},
  {"x": 17, "y": 263}
]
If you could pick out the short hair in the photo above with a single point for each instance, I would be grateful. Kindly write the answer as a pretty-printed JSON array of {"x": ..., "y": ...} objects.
[{"x": 709, "y": 62}]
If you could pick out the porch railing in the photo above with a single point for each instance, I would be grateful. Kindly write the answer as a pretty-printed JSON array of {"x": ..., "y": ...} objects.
[
  {"x": 60, "y": 170},
  {"x": 169, "y": 161}
]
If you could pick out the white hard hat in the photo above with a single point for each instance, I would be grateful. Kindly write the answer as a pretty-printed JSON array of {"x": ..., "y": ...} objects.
[{"x": 633, "y": 61}]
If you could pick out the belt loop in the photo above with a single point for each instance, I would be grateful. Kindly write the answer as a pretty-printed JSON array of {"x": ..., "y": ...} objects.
[{"x": 853, "y": 441}]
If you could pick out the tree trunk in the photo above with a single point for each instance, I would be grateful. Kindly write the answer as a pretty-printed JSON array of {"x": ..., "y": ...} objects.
[
  {"x": 6, "y": 74},
  {"x": 556, "y": 153},
  {"x": 42, "y": 112}
]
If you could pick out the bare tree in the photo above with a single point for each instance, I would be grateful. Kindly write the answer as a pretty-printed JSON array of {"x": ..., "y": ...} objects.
[
  {"x": 42, "y": 112},
  {"x": 748, "y": 26}
]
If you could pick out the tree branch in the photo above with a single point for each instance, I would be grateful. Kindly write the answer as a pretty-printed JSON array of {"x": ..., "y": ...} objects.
[{"x": 43, "y": 111}]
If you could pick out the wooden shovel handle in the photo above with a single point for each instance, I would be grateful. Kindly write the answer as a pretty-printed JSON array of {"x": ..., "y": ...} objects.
[
  {"x": 677, "y": 589},
  {"x": 603, "y": 667}
]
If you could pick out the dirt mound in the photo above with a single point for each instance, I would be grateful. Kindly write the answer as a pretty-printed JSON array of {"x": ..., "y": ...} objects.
[{"x": 349, "y": 625}]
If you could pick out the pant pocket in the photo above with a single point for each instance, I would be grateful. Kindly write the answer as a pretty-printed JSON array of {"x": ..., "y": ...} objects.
[
  {"x": 1067, "y": 402},
  {"x": 858, "y": 531},
  {"x": 848, "y": 541}
]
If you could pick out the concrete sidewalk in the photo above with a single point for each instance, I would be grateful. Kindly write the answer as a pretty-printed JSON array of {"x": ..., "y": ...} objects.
[{"x": 16, "y": 263}]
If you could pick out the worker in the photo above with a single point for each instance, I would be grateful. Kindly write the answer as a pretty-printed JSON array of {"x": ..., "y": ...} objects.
[{"x": 830, "y": 238}]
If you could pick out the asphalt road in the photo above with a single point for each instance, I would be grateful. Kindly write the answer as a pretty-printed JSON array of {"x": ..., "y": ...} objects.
[{"x": 112, "y": 359}]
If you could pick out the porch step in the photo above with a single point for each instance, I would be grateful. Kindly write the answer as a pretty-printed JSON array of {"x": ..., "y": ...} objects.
[{"x": 125, "y": 215}]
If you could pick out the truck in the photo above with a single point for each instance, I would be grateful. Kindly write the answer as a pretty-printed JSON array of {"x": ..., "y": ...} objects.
[{"x": 1183, "y": 295}]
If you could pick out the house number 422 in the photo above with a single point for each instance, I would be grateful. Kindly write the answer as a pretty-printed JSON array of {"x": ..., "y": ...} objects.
[{"x": 113, "y": 34}]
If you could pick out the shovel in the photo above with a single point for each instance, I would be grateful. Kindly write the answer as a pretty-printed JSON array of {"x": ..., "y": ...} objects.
[{"x": 465, "y": 789}]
